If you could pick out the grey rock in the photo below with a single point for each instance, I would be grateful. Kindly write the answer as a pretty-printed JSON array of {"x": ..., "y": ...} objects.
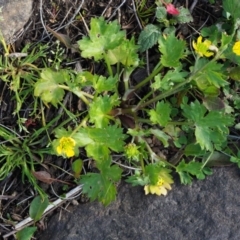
[
  {"x": 15, "y": 14},
  {"x": 204, "y": 210}
]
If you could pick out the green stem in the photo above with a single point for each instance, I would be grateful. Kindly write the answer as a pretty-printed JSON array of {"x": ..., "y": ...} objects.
[
  {"x": 155, "y": 157},
  {"x": 83, "y": 123},
  {"x": 81, "y": 94},
  {"x": 145, "y": 97},
  {"x": 177, "y": 88},
  {"x": 126, "y": 80},
  {"x": 108, "y": 65},
  {"x": 156, "y": 70},
  {"x": 142, "y": 164},
  {"x": 44, "y": 120},
  {"x": 143, "y": 120},
  {"x": 209, "y": 157},
  {"x": 161, "y": 96}
]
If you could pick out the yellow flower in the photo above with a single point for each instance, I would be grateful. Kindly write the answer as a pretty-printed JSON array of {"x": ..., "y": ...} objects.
[
  {"x": 236, "y": 48},
  {"x": 164, "y": 181},
  {"x": 66, "y": 146},
  {"x": 201, "y": 48}
]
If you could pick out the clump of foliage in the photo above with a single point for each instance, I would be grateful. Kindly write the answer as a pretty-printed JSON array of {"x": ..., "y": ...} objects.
[
  {"x": 181, "y": 110},
  {"x": 185, "y": 106}
]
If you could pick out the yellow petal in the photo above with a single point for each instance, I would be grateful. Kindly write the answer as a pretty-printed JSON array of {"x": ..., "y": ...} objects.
[
  {"x": 199, "y": 40},
  {"x": 167, "y": 185},
  {"x": 154, "y": 189},
  {"x": 207, "y": 43},
  {"x": 163, "y": 191},
  {"x": 69, "y": 153},
  {"x": 146, "y": 189},
  {"x": 236, "y": 48},
  {"x": 194, "y": 45},
  {"x": 208, "y": 54},
  {"x": 59, "y": 149}
]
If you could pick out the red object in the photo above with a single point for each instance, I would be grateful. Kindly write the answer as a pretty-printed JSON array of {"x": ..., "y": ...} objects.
[
  {"x": 30, "y": 122},
  {"x": 171, "y": 9}
]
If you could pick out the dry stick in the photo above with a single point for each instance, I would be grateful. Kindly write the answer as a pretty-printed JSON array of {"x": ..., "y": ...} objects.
[
  {"x": 28, "y": 221},
  {"x": 193, "y": 5},
  {"x": 70, "y": 9},
  {"x": 136, "y": 16},
  {"x": 116, "y": 10},
  {"x": 106, "y": 8},
  {"x": 41, "y": 17},
  {"x": 61, "y": 27},
  {"x": 72, "y": 18}
]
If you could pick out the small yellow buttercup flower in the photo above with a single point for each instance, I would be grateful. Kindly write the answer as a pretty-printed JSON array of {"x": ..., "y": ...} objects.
[
  {"x": 162, "y": 185},
  {"x": 236, "y": 48},
  {"x": 201, "y": 48},
  {"x": 66, "y": 146}
]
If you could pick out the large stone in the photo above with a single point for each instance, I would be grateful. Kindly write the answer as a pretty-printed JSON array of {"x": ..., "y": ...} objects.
[
  {"x": 15, "y": 14},
  {"x": 205, "y": 210}
]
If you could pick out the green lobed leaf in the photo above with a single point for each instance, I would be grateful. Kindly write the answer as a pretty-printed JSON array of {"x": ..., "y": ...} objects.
[
  {"x": 193, "y": 149},
  {"x": 111, "y": 172},
  {"x": 235, "y": 160},
  {"x": 162, "y": 113},
  {"x": 97, "y": 151},
  {"x": 98, "y": 141},
  {"x": 161, "y": 136},
  {"x": 152, "y": 171},
  {"x": 226, "y": 40},
  {"x": 172, "y": 50},
  {"x": 137, "y": 179},
  {"x": 211, "y": 128},
  {"x": 47, "y": 87},
  {"x": 126, "y": 54},
  {"x": 194, "y": 111},
  {"x": 102, "y": 83},
  {"x": 161, "y": 14},
  {"x": 203, "y": 137},
  {"x": 82, "y": 138},
  {"x": 169, "y": 79},
  {"x": 185, "y": 177},
  {"x": 37, "y": 207},
  {"x": 103, "y": 36},
  {"x": 213, "y": 72},
  {"x": 100, "y": 109},
  {"x": 187, "y": 170},
  {"x": 184, "y": 16},
  {"x": 110, "y": 136},
  {"x": 84, "y": 79},
  {"x": 232, "y": 7},
  {"x": 93, "y": 183},
  {"x": 212, "y": 33},
  {"x": 101, "y": 186},
  {"x": 148, "y": 37}
]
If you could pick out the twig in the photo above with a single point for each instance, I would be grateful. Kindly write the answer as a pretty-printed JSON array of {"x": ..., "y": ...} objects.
[
  {"x": 193, "y": 5},
  {"x": 106, "y": 8},
  {"x": 136, "y": 16},
  {"x": 74, "y": 16},
  {"x": 123, "y": 2},
  {"x": 28, "y": 221},
  {"x": 41, "y": 17}
]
